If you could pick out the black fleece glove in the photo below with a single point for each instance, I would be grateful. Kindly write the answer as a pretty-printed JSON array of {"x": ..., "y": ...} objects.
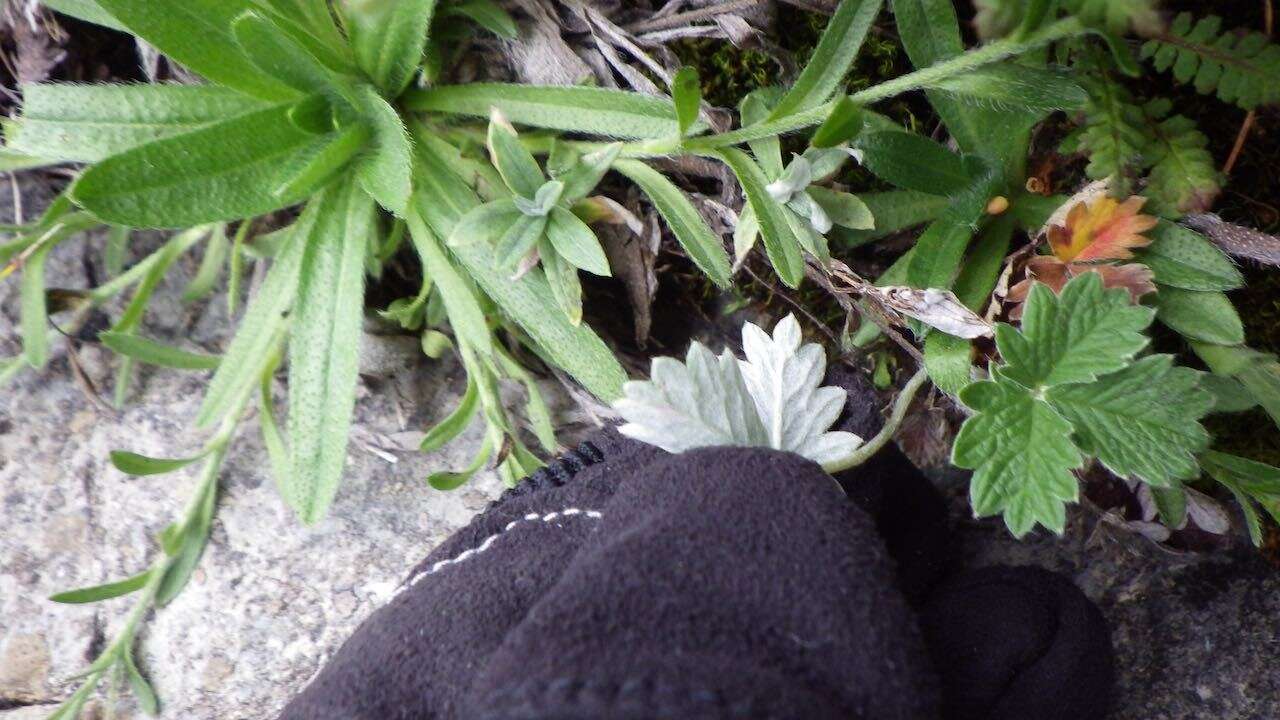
[{"x": 622, "y": 582}]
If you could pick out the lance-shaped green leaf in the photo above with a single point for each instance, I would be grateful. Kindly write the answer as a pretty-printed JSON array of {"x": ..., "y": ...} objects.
[
  {"x": 831, "y": 59},
  {"x": 215, "y": 256},
  {"x": 488, "y": 15},
  {"x": 485, "y": 223},
  {"x": 323, "y": 352},
  {"x": 87, "y": 123},
  {"x": 446, "y": 480},
  {"x": 1021, "y": 453},
  {"x": 443, "y": 198},
  {"x": 1015, "y": 87},
  {"x": 261, "y": 325},
  {"x": 686, "y": 93},
  {"x": 455, "y": 422},
  {"x": 565, "y": 286},
  {"x": 197, "y": 33},
  {"x": 575, "y": 242},
  {"x": 388, "y": 37},
  {"x": 912, "y": 162},
  {"x": 1250, "y": 482},
  {"x": 583, "y": 177},
  {"x": 87, "y": 10},
  {"x": 186, "y": 548},
  {"x": 1084, "y": 332},
  {"x": 1142, "y": 421},
  {"x": 465, "y": 315},
  {"x": 1204, "y": 316},
  {"x": 386, "y": 172},
  {"x": 842, "y": 125},
  {"x": 106, "y": 591},
  {"x": 596, "y": 111},
  {"x": 321, "y": 163},
  {"x": 754, "y": 110},
  {"x": 279, "y": 55},
  {"x": 702, "y": 246},
  {"x": 226, "y": 171},
  {"x": 894, "y": 211},
  {"x": 142, "y": 690},
  {"x": 135, "y": 464},
  {"x": 779, "y": 241},
  {"x": 939, "y": 254},
  {"x": 154, "y": 353},
  {"x": 1183, "y": 258},
  {"x": 514, "y": 162},
  {"x": 35, "y": 311},
  {"x": 519, "y": 239}
]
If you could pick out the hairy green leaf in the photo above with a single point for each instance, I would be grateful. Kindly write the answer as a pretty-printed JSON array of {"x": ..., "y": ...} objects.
[
  {"x": 488, "y": 15},
  {"x": 197, "y": 33},
  {"x": 323, "y": 348},
  {"x": 1142, "y": 421},
  {"x": 386, "y": 172},
  {"x": 832, "y": 58},
  {"x": 912, "y": 162},
  {"x": 388, "y": 37},
  {"x": 842, "y": 125},
  {"x": 465, "y": 314},
  {"x": 702, "y": 246},
  {"x": 87, "y": 123},
  {"x": 278, "y": 55},
  {"x": 1183, "y": 258},
  {"x": 87, "y": 10},
  {"x": 596, "y": 111},
  {"x": 894, "y": 211},
  {"x": 575, "y": 242},
  {"x": 225, "y": 171},
  {"x": 215, "y": 256},
  {"x": 780, "y": 242},
  {"x": 514, "y": 162},
  {"x": 1205, "y": 316}
]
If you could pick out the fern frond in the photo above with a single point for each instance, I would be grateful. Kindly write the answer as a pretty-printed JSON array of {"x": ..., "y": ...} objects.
[
  {"x": 1183, "y": 177},
  {"x": 1114, "y": 134},
  {"x": 1241, "y": 68}
]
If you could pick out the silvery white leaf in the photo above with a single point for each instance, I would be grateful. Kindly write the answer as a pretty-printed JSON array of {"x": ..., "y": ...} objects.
[
  {"x": 772, "y": 399},
  {"x": 1207, "y": 513},
  {"x": 795, "y": 178},
  {"x": 804, "y": 205}
]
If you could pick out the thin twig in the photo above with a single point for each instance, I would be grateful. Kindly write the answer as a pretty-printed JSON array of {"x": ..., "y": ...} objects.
[
  {"x": 692, "y": 16},
  {"x": 792, "y": 302},
  {"x": 882, "y": 438}
]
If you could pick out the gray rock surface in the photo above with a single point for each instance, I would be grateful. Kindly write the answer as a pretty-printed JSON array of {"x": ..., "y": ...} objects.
[
  {"x": 271, "y": 599},
  {"x": 1197, "y": 637}
]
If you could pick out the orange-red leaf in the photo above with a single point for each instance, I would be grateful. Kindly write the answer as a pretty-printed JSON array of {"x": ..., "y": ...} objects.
[{"x": 1102, "y": 229}]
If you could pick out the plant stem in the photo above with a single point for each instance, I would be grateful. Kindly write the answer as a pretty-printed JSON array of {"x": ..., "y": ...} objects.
[{"x": 872, "y": 446}]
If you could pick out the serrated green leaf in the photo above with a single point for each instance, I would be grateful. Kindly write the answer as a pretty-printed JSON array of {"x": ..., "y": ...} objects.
[
  {"x": 575, "y": 242},
  {"x": 831, "y": 59},
  {"x": 323, "y": 349},
  {"x": 159, "y": 354},
  {"x": 1184, "y": 176},
  {"x": 913, "y": 162},
  {"x": 197, "y": 33},
  {"x": 105, "y": 591},
  {"x": 1084, "y": 332},
  {"x": 1229, "y": 394},
  {"x": 1205, "y": 316},
  {"x": 1183, "y": 258},
  {"x": 702, "y": 246},
  {"x": 488, "y": 15},
  {"x": 226, "y": 171},
  {"x": 87, "y": 123},
  {"x": 686, "y": 94},
  {"x": 1021, "y": 452},
  {"x": 1142, "y": 421},
  {"x": 249, "y": 351},
  {"x": 388, "y": 37},
  {"x": 780, "y": 242},
  {"x": 1249, "y": 482},
  {"x": 596, "y": 111},
  {"x": 948, "y": 359}
]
